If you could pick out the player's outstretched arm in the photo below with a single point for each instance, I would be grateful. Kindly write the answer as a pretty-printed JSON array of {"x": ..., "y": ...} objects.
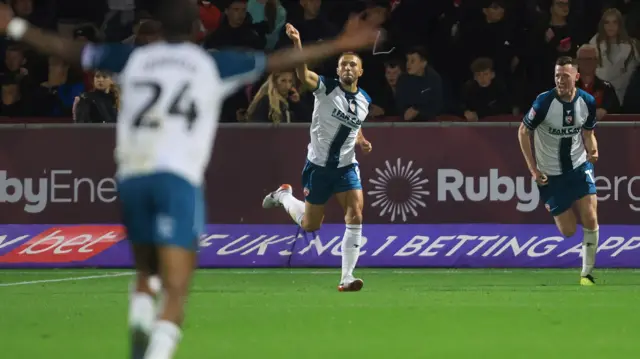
[
  {"x": 43, "y": 41},
  {"x": 308, "y": 78},
  {"x": 359, "y": 33}
]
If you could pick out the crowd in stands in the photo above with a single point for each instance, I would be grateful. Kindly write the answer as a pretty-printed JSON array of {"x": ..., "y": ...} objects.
[{"x": 468, "y": 58}]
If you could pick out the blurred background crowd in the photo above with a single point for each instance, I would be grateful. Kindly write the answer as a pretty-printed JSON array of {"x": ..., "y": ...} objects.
[{"x": 467, "y": 58}]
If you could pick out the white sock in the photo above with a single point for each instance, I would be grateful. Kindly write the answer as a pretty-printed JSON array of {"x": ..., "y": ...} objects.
[
  {"x": 589, "y": 249},
  {"x": 164, "y": 340},
  {"x": 351, "y": 249},
  {"x": 292, "y": 205},
  {"x": 142, "y": 312}
]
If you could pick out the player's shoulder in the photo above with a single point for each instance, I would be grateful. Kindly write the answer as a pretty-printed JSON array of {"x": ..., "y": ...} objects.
[
  {"x": 330, "y": 84},
  {"x": 230, "y": 63},
  {"x": 545, "y": 99},
  {"x": 365, "y": 95},
  {"x": 585, "y": 96}
]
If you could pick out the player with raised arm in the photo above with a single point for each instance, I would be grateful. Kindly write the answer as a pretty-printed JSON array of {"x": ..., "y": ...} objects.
[
  {"x": 331, "y": 168},
  {"x": 172, "y": 92},
  {"x": 562, "y": 122}
]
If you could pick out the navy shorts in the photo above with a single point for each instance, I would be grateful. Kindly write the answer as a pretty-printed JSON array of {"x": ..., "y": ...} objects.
[
  {"x": 320, "y": 183},
  {"x": 162, "y": 209},
  {"x": 563, "y": 190}
]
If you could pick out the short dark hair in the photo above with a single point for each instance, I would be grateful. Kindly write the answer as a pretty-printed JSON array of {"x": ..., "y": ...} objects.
[
  {"x": 350, "y": 53},
  {"x": 178, "y": 17},
  {"x": 481, "y": 64},
  {"x": 418, "y": 50},
  {"x": 566, "y": 60},
  {"x": 393, "y": 63}
]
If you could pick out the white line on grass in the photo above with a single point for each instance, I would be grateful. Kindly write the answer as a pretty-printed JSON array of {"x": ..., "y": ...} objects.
[{"x": 65, "y": 279}]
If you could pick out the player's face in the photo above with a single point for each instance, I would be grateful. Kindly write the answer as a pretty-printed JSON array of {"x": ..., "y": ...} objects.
[
  {"x": 566, "y": 77},
  {"x": 611, "y": 26},
  {"x": 284, "y": 83},
  {"x": 236, "y": 13},
  {"x": 349, "y": 69}
]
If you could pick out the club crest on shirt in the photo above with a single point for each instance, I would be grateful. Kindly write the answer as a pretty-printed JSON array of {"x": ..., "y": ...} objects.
[
  {"x": 568, "y": 119},
  {"x": 305, "y": 191},
  {"x": 532, "y": 114}
]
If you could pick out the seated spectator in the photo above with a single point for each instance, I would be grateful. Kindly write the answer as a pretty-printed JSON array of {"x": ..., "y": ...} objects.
[
  {"x": 270, "y": 17},
  {"x": 55, "y": 97},
  {"x": 604, "y": 93},
  {"x": 385, "y": 103},
  {"x": 100, "y": 105},
  {"x": 277, "y": 101},
  {"x": 419, "y": 91},
  {"x": 15, "y": 66},
  {"x": 618, "y": 54},
  {"x": 312, "y": 25},
  {"x": 210, "y": 17},
  {"x": 236, "y": 30},
  {"x": 485, "y": 95},
  {"x": 12, "y": 103}
]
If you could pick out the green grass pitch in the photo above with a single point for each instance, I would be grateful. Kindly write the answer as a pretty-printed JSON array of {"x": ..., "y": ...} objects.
[{"x": 287, "y": 314}]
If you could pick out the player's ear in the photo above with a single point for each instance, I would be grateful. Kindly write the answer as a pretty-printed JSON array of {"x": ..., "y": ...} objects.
[
  {"x": 577, "y": 76},
  {"x": 361, "y": 72}
]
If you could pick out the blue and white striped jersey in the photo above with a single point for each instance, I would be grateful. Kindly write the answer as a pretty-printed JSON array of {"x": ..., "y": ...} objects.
[
  {"x": 172, "y": 95},
  {"x": 557, "y": 127},
  {"x": 337, "y": 118}
]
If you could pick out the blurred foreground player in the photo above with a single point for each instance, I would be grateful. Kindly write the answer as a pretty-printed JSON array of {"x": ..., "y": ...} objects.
[
  {"x": 339, "y": 111},
  {"x": 562, "y": 122},
  {"x": 172, "y": 92}
]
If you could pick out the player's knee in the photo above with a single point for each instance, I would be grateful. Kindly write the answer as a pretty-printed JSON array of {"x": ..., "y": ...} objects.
[
  {"x": 353, "y": 215},
  {"x": 568, "y": 231},
  {"x": 308, "y": 226}
]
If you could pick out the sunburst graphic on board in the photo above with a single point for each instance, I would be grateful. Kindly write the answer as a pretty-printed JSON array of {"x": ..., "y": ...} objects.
[{"x": 398, "y": 190}]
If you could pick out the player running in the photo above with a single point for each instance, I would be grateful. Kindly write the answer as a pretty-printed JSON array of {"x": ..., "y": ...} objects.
[
  {"x": 331, "y": 168},
  {"x": 172, "y": 94},
  {"x": 562, "y": 121}
]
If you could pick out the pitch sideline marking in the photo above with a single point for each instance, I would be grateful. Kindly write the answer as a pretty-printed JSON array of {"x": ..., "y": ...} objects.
[{"x": 13, "y": 284}]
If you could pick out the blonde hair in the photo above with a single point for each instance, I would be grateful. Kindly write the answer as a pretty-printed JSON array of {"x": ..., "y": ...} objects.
[
  {"x": 276, "y": 100},
  {"x": 621, "y": 38}
]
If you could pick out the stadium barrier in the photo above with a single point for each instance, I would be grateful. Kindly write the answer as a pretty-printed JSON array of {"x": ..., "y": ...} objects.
[{"x": 436, "y": 195}]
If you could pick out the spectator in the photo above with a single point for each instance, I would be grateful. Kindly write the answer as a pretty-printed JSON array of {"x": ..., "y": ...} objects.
[
  {"x": 210, "y": 17},
  {"x": 119, "y": 21},
  {"x": 270, "y": 16},
  {"x": 604, "y": 93},
  {"x": 419, "y": 91},
  {"x": 86, "y": 34},
  {"x": 100, "y": 105},
  {"x": 277, "y": 101},
  {"x": 484, "y": 95},
  {"x": 554, "y": 36},
  {"x": 236, "y": 30},
  {"x": 55, "y": 97},
  {"x": 495, "y": 37},
  {"x": 617, "y": 52},
  {"x": 15, "y": 62},
  {"x": 385, "y": 103},
  {"x": 12, "y": 103},
  {"x": 311, "y": 23},
  {"x": 146, "y": 32}
]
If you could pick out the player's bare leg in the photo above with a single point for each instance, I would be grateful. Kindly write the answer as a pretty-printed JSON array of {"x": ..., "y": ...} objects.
[
  {"x": 142, "y": 307},
  {"x": 588, "y": 209},
  {"x": 352, "y": 203},
  {"x": 176, "y": 269},
  {"x": 308, "y": 216}
]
